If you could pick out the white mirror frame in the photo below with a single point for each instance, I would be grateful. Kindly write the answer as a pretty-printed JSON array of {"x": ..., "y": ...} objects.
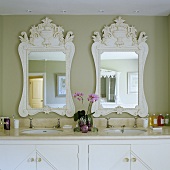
[
  {"x": 46, "y": 37},
  {"x": 119, "y": 36}
]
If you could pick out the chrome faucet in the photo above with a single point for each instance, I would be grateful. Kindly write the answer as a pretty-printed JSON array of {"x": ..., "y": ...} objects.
[
  {"x": 135, "y": 123},
  {"x": 107, "y": 125},
  {"x": 123, "y": 128},
  {"x": 58, "y": 124},
  {"x": 31, "y": 125}
]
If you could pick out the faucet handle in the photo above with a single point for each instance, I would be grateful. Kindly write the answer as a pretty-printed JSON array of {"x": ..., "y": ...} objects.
[
  {"x": 58, "y": 123},
  {"x": 123, "y": 126}
]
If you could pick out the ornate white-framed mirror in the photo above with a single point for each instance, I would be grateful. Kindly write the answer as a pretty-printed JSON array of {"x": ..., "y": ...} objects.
[
  {"x": 46, "y": 57},
  {"x": 120, "y": 51}
]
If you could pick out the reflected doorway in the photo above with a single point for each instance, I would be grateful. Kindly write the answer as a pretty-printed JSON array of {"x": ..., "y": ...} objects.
[{"x": 36, "y": 91}]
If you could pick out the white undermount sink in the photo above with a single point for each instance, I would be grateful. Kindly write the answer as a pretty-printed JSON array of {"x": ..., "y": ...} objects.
[
  {"x": 125, "y": 131},
  {"x": 41, "y": 131}
]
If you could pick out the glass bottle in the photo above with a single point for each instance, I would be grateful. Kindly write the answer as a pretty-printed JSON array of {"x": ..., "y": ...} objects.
[
  {"x": 154, "y": 120},
  {"x": 1, "y": 125},
  {"x": 89, "y": 121},
  {"x": 160, "y": 120},
  {"x": 150, "y": 120},
  {"x": 167, "y": 123}
]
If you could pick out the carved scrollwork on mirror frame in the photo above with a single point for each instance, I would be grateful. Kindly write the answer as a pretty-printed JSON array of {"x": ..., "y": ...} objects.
[
  {"x": 46, "y": 37},
  {"x": 120, "y": 37}
]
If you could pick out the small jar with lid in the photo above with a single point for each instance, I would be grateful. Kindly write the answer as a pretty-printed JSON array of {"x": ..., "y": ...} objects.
[{"x": 161, "y": 120}]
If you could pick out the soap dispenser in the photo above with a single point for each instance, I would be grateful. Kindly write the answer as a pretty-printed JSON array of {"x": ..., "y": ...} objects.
[{"x": 1, "y": 125}]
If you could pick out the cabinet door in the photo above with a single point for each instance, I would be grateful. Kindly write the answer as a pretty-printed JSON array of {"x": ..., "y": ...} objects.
[
  {"x": 17, "y": 157},
  {"x": 57, "y": 157},
  {"x": 151, "y": 157},
  {"x": 109, "y": 157}
]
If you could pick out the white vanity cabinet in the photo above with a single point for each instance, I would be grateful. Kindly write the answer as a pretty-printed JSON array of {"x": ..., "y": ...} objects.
[
  {"x": 129, "y": 157},
  {"x": 17, "y": 157},
  {"x": 109, "y": 157},
  {"x": 57, "y": 157},
  {"x": 39, "y": 157},
  {"x": 150, "y": 156},
  {"x": 85, "y": 154}
]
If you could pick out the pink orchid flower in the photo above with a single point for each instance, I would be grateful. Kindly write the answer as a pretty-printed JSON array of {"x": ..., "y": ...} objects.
[{"x": 91, "y": 98}]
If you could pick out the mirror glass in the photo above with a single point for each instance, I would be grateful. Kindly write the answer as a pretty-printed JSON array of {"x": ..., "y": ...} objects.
[
  {"x": 119, "y": 79},
  {"x": 46, "y": 57},
  {"x": 119, "y": 55},
  {"x": 44, "y": 69}
]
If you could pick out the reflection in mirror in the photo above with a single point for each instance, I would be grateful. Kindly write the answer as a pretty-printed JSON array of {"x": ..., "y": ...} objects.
[
  {"x": 115, "y": 82},
  {"x": 43, "y": 70},
  {"x": 119, "y": 57},
  {"x": 46, "y": 57}
]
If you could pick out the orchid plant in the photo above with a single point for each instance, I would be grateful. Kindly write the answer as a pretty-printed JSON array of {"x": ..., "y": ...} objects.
[{"x": 91, "y": 98}]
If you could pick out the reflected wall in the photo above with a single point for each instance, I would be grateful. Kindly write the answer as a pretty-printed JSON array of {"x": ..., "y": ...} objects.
[
  {"x": 51, "y": 70},
  {"x": 124, "y": 67}
]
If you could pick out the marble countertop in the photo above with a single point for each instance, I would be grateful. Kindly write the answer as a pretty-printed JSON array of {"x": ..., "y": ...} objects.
[{"x": 102, "y": 134}]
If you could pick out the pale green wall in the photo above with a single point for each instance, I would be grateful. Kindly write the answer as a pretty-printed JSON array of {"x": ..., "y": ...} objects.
[
  {"x": 1, "y": 22},
  {"x": 83, "y": 71},
  {"x": 169, "y": 58}
]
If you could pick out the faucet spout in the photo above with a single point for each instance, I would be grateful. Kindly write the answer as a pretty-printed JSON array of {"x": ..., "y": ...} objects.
[
  {"x": 58, "y": 124},
  {"x": 31, "y": 125},
  {"x": 135, "y": 123},
  {"x": 123, "y": 128},
  {"x": 107, "y": 125}
]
